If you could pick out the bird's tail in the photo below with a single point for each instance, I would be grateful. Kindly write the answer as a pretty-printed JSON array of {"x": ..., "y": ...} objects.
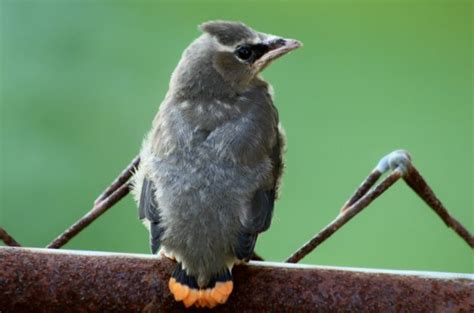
[{"x": 185, "y": 288}]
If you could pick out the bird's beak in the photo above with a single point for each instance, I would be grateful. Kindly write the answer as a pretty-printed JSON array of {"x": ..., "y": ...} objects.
[{"x": 277, "y": 48}]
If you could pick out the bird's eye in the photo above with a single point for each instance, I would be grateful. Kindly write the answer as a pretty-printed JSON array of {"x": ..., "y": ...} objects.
[{"x": 243, "y": 52}]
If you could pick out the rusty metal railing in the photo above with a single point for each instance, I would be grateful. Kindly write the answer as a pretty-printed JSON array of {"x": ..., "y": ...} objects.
[{"x": 47, "y": 279}]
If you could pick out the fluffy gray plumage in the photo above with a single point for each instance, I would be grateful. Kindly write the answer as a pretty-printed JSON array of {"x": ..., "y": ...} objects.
[{"x": 211, "y": 164}]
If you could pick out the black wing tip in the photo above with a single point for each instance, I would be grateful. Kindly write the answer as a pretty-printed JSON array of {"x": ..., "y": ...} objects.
[{"x": 245, "y": 246}]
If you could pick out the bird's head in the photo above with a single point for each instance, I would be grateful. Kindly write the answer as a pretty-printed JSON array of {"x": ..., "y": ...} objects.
[{"x": 229, "y": 55}]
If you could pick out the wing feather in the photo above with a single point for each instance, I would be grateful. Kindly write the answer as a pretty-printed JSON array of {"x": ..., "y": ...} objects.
[
  {"x": 148, "y": 209},
  {"x": 259, "y": 216}
]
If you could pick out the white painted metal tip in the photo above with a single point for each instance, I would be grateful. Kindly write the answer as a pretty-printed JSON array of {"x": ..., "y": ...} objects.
[{"x": 396, "y": 159}]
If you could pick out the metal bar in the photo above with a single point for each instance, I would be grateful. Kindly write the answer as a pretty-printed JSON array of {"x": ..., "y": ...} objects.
[
  {"x": 119, "y": 188},
  {"x": 119, "y": 181},
  {"x": 8, "y": 239},
  {"x": 40, "y": 280},
  {"x": 91, "y": 216},
  {"x": 345, "y": 216},
  {"x": 362, "y": 189},
  {"x": 418, "y": 184}
]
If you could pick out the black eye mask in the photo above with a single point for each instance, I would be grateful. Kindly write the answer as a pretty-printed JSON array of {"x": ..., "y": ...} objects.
[{"x": 251, "y": 53}]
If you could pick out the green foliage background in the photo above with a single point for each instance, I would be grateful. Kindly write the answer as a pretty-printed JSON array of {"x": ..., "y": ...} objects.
[{"x": 82, "y": 80}]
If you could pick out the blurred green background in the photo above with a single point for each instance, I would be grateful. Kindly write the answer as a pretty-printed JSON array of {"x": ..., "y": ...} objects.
[{"x": 82, "y": 80}]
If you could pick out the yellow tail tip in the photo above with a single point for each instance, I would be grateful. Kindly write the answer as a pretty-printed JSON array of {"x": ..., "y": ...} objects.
[{"x": 201, "y": 298}]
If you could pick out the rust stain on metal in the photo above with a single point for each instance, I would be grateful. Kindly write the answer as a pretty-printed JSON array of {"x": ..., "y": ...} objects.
[{"x": 32, "y": 281}]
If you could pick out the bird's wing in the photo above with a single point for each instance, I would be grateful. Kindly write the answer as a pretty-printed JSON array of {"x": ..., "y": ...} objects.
[
  {"x": 260, "y": 214},
  {"x": 148, "y": 208}
]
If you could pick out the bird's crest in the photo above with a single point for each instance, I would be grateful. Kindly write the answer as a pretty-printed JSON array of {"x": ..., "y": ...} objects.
[{"x": 227, "y": 32}]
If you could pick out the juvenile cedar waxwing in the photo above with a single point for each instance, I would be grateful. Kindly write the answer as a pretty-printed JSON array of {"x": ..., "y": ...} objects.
[{"x": 211, "y": 164}]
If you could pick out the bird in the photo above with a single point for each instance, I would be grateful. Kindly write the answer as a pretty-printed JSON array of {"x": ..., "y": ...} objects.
[{"x": 211, "y": 165}]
